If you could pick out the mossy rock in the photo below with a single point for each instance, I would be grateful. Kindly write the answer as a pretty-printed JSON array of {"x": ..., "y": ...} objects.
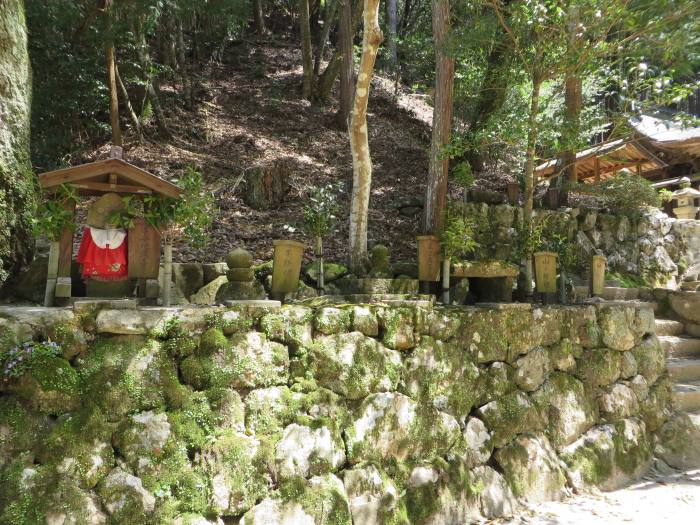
[
  {"x": 125, "y": 498},
  {"x": 391, "y": 426},
  {"x": 269, "y": 410},
  {"x": 599, "y": 367},
  {"x": 18, "y": 428},
  {"x": 532, "y": 469},
  {"x": 373, "y": 496},
  {"x": 69, "y": 336},
  {"x": 650, "y": 357},
  {"x": 39, "y": 494},
  {"x": 364, "y": 320},
  {"x": 442, "y": 375},
  {"x": 616, "y": 327},
  {"x": 397, "y": 327},
  {"x": 309, "y": 450},
  {"x": 510, "y": 415},
  {"x": 352, "y": 364},
  {"x": 50, "y": 386},
  {"x": 331, "y": 271},
  {"x": 291, "y": 325},
  {"x": 78, "y": 447},
  {"x": 128, "y": 374},
  {"x": 213, "y": 340},
  {"x": 570, "y": 409},
  {"x": 235, "y": 464},
  {"x": 330, "y": 320}
]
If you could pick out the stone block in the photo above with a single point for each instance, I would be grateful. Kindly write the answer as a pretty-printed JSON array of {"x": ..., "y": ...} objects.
[{"x": 63, "y": 287}]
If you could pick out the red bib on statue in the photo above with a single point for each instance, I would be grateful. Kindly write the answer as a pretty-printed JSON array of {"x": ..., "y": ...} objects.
[{"x": 103, "y": 254}]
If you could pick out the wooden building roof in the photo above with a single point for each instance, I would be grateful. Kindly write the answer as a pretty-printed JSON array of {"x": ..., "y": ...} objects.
[
  {"x": 605, "y": 159},
  {"x": 110, "y": 175}
]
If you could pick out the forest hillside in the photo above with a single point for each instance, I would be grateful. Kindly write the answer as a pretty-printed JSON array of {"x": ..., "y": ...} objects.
[{"x": 249, "y": 117}]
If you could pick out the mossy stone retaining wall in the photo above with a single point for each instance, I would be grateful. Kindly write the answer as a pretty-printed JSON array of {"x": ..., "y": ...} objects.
[{"x": 337, "y": 414}]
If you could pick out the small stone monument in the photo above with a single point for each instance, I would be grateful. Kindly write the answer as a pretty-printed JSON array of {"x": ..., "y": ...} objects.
[
  {"x": 241, "y": 279},
  {"x": 684, "y": 199}
]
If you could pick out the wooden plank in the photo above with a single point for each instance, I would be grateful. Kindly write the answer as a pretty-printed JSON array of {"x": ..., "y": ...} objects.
[
  {"x": 116, "y": 188},
  {"x": 110, "y": 167},
  {"x": 65, "y": 247},
  {"x": 144, "y": 251},
  {"x": 113, "y": 180},
  {"x": 145, "y": 178},
  {"x": 74, "y": 174}
]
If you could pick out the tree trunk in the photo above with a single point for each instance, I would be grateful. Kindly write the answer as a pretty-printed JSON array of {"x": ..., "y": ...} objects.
[
  {"x": 530, "y": 174},
  {"x": 130, "y": 109},
  {"x": 573, "y": 101},
  {"x": 151, "y": 82},
  {"x": 258, "y": 15},
  {"x": 492, "y": 95},
  {"x": 112, "y": 82},
  {"x": 347, "y": 64},
  {"x": 16, "y": 188},
  {"x": 333, "y": 68},
  {"x": 436, "y": 189},
  {"x": 183, "y": 67},
  {"x": 328, "y": 18},
  {"x": 393, "y": 61},
  {"x": 359, "y": 138},
  {"x": 306, "y": 59}
]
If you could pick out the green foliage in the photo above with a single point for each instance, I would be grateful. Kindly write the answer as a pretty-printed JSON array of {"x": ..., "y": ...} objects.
[
  {"x": 17, "y": 360},
  {"x": 55, "y": 213},
  {"x": 190, "y": 215},
  {"x": 567, "y": 257},
  {"x": 627, "y": 193},
  {"x": 530, "y": 239},
  {"x": 321, "y": 209},
  {"x": 457, "y": 236}
]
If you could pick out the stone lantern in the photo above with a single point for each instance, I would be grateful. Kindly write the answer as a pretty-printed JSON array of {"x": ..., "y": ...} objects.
[{"x": 684, "y": 199}]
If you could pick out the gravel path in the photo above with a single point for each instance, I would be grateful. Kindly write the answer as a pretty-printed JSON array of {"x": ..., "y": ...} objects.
[{"x": 661, "y": 498}]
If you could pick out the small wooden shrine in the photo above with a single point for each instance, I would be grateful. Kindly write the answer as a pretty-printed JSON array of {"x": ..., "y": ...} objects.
[{"x": 109, "y": 180}]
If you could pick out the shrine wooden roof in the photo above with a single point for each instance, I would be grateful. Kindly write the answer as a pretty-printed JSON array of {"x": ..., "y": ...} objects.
[
  {"x": 605, "y": 159},
  {"x": 110, "y": 175}
]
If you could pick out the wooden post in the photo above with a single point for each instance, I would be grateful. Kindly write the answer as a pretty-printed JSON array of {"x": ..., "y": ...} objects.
[
  {"x": 446, "y": 280},
  {"x": 320, "y": 282},
  {"x": 597, "y": 169},
  {"x": 52, "y": 274},
  {"x": 65, "y": 247},
  {"x": 167, "y": 271}
]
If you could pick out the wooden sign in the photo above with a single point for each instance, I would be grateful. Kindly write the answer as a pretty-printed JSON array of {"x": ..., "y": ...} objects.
[{"x": 144, "y": 251}]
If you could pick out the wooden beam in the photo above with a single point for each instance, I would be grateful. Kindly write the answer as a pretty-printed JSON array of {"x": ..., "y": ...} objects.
[
  {"x": 116, "y": 188},
  {"x": 74, "y": 174},
  {"x": 149, "y": 180},
  {"x": 113, "y": 180},
  {"x": 65, "y": 247}
]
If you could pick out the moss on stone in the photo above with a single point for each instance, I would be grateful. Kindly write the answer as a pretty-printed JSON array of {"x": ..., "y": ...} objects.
[{"x": 213, "y": 340}]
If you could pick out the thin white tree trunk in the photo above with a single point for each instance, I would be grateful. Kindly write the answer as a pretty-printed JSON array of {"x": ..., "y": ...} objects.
[
  {"x": 436, "y": 188},
  {"x": 359, "y": 138}
]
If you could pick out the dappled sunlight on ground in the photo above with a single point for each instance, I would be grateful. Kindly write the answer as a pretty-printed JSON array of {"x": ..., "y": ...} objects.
[{"x": 658, "y": 499}]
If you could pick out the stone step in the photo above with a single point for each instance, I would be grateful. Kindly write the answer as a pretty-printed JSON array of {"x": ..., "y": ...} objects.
[
  {"x": 687, "y": 395},
  {"x": 684, "y": 369},
  {"x": 675, "y": 346},
  {"x": 669, "y": 327}
]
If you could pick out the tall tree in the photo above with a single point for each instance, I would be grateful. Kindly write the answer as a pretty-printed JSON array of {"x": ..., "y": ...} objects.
[
  {"x": 393, "y": 60},
  {"x": 306, "y": 56},
  {"x": 16, "y": 189},
  {"x": 258, "y": 16},
  {"x": 110, "y": 61},
  {"x": 345, "y": 35},
  {"x": 359, "y": 138},
  {"x": 436, "y": 189}
]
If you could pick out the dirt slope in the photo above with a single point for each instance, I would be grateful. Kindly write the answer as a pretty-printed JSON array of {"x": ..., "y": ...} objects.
[{"x": 250, "y": 114}]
